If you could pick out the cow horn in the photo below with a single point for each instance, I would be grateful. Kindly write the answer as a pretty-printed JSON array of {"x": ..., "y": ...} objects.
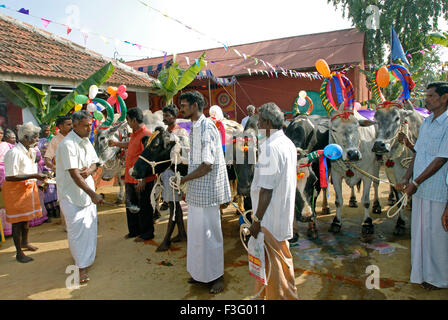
[
  {"x": 110, "y": 112},
  {"x": 123, "y": 109},
  {"x": 341, "y": 107}
]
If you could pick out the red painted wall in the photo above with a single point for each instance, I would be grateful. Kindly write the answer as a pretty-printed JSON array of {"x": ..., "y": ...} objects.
[{"x": 14, "y": 115}]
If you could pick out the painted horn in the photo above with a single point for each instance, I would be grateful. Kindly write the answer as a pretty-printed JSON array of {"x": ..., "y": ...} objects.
[
  {"x": 110, "y": 112},
  {"x": 123, "y": 108}
]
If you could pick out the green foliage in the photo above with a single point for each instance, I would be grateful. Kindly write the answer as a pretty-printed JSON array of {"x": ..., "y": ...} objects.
[
  {"x": 173, "y": 79},
  {"x": 439, "y": 38},
  {"x": 42, "y": 105},
  {"x": 413, "y": 21}
]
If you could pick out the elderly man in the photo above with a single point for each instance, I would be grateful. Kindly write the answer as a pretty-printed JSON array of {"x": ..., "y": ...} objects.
[
  {"x": 429, "y": 168},
  {"x": 170, "y": 113},
  {"x": 251, "y": 111},
  {"x": 20, "y": 191},
  {"x": 75, "y": 163},
  {"x": 273, "y": 192},
  {"x": 208, "y": 187}
]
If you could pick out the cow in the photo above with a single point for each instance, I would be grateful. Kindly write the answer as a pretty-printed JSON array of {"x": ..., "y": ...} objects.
[
  {"x": 356, "y": 136},
  {"x": 391, "y": 118}
]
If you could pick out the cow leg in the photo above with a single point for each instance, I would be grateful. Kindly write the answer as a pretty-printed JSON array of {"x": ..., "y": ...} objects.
[
  {"x": 376, "y": 203},
  {"x": 240, "y": 202},
  {"x": 400, "y": 227},
  {"x": 337, "y": 183},
  {"x": 367, "y": 225},
  {"x": 391, "y": 199},
  {"x": 325, "y": 207},
  {"x": 121, "y": 194},
  {"x": 353, "y": 203}
]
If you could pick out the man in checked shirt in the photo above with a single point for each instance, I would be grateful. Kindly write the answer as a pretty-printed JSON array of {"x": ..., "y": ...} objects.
[{"x": 208, "y": 187}]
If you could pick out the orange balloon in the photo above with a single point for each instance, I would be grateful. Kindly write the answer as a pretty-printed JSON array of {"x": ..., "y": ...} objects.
[
  {"x": 112, "y": 91},
  {"x": 323, "y": 68},
  {"x": 382, "y": 77}
]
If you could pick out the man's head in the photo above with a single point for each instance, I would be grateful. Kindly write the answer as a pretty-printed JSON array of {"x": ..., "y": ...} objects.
[
  {"x": 28, "y": 134},
  {"x": 436, "y": 96},
  {"x": 250, "y": 110},
  {"x": 170, "y": 113},
  {"x": 45, "y": 130},
  {"x": 191, "y": 104},
  {"x": 9, "y": 136},
  {"x": 134, "y": 117},
  {"x": 65, "y": 124},
  {"x": 270, "y": 117},
  {"x": 82, "y": 123}
]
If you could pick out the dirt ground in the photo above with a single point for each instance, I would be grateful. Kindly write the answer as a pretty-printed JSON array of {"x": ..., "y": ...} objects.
[{"x": 332, "y": 267}]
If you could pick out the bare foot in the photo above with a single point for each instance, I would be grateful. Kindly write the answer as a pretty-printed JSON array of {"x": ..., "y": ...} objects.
[
  {"x": 128, "y": 236},
  {"x": 138, "y": 239},
  {"x": 164, "y": 246},
  {"x": 29, "y": 247},
  {"x": 21, "y": 257},
  {"x": 83, "y": 276},
  {"x": 217, "y": 286},
  {"x": 179, "y": 238},
  {"x": 429, "y": 287},
  {"x": 191, "y": 280}
]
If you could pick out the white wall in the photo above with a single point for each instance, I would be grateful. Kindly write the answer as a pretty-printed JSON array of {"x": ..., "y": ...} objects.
[
  {"x": 142, "y": 100},
  {"x": 27, "y": 116}
]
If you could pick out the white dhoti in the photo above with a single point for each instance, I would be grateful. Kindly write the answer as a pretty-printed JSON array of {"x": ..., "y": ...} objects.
[
  {"x": 205, "y": 247},
  {"x": 82, "y": 229},
  {"x": 429, "y": 243}
]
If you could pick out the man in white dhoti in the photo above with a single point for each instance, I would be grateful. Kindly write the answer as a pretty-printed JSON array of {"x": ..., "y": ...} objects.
[
  {"x": 273, "y": 192},
  {"x": 429, "y": 168},
  {"x": 207, "y": 188},
  {"x": 75, "y": 163}
]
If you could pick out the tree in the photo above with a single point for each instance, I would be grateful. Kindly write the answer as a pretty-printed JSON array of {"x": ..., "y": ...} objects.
[
  {"x": 413, "y": 21},
  {"x": 40, "y": 102},
  {"x": 173, "y": 79}
]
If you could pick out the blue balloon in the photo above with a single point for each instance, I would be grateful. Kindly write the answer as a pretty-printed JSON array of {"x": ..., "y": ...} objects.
[{"x": 333, "y": 151}]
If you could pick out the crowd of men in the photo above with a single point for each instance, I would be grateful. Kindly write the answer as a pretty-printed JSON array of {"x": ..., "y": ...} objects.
[{"x": 72, "y": 157}]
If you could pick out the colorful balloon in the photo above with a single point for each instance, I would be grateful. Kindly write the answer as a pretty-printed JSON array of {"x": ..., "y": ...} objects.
[
  {"x": 98, "y": 115},
  {"x": 124, "y": 95},
  {"x": 357, "y": 106},
  {"x": 301, "y": 102},
  {"x": 91, "y": 107},
  {"x": 333, "y": 151},
  {"x": 112, "y": 91},
  {"x": 302, "y": 94},
  {"x": 323, "y": 68},
  {"x": 93, "y": 91},
  {"x": 112, "y": 100},
  {"x": 81, "y": 99},
  {"x": 121, "y": 89},
  {"x": 78, "y": 107},
  {"x": 383, "y": 77}
]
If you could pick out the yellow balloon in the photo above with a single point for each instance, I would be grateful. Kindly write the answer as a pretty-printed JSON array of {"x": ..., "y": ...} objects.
[
  {"x": 382, "y": 77},
  {"x": 78, "y": 107},
  {"x": 323, "y": 68},
  {"x": 302, "y": 94}
]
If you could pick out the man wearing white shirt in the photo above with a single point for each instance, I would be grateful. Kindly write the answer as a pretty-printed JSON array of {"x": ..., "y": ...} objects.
[
  {"x": 251, "y": 111},
  {"x": 273, "y": 192},
  {"x": 75, "y": 163}
]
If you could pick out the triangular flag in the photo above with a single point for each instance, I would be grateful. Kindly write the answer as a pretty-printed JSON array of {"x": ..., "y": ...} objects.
[
  {"x": 236, "y": 51},
  {"x": 396, "y": 48},
  {"x": 197, "y": 62},
  {"x": 249, "y": 71},
  {"x": 69, "y": 30},
  {"x": 244, "y": 56},
  {"x": 85, "y": 35},
  {"x": 263, "y": 63},
  {"x": 174, "y": 57},
  {"x": 225, "y": 47},
  {"x": 139, "y": 46},
  {"x": 188, "y": 60},
  {"x": 256, "y": 61},
  {"x": 45, "y": 22},
  {"x": 24, "y": 11}
]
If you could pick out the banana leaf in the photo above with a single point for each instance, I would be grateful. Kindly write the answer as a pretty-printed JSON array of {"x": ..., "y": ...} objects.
[
  {"x": 65, "y": 105},
  {"x": 189, "y": 74},
  {"x": 35, "y": 96},
  {"x": 439, "y": 38},
  {"x": 16, "y": 97}
]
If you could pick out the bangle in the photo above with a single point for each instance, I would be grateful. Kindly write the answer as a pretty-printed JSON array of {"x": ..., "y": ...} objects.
[{"x": 415, "y": 183}]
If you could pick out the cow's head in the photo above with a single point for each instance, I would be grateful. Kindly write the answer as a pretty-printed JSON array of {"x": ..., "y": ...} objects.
[
  {"x": 156, "y": 157},
  {"x": 302, "y": 133},
  {"x": 389, "y": 118},
  {"x": 245, "y": 155}
]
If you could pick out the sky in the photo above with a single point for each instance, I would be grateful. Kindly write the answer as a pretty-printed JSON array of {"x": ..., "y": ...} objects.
[{"x": 231, "y": 22}]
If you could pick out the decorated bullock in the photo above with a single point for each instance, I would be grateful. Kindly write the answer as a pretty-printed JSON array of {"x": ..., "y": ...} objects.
[
  {"x": 392, "y": 118},
  {"x": 351, "y": 131}
]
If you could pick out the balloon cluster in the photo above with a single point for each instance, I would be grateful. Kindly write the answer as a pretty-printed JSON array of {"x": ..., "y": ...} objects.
[
  {"x": 394, "y": 71},
  {"x": 120, "y": 91},
  {"x": 92, "y": 107}
]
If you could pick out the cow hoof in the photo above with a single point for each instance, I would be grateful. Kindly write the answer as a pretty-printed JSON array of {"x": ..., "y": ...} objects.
[
  {"x": 353, "y": 203},
  {"x": 391, "y": 202},
  {"x": 119, "y": 201},
  {"x": 325, "y": 211},
  {"x": 312, "y": 234},
  {"x": 305, "y": 219},
  {"x": 367, "y": 227},
  {"x": 400, "y": 228},
  {"x": 335, "y": 228},
  {"x": 295, "y": 238},
  {"x": 376, "y": 208}
]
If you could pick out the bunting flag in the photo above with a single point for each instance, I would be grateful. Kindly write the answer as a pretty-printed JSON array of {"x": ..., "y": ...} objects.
[
  {"x": 188, "y": 60},
  {"x": 23, "y": 11},
  {"x": 69, "y": 30},
  {"x": 237, "y": 52},
  {"x": 45, "y": 22}
]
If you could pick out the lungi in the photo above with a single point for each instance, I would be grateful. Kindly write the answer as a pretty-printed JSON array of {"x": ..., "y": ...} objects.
[
  {"x": 281, "y": 281},
  {"x": 205, "y": 246},
  {"x": 38, "y": 221},
  {"x": 21, "y": 201},
  {"x": 82, "y": 229},
  {"x": 429, "y": 243}
]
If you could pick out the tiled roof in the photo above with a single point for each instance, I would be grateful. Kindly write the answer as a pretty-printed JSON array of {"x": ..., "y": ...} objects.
[
  {"x": 299, "y": 53},
  {"x": 32, "y": 52}
]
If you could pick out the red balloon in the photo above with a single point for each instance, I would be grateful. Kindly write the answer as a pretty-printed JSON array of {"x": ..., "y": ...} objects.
[
  {"x": 121, "y": 89},
  {"x": 111, "y": 100},
  {"x": 124, "y": 95}
]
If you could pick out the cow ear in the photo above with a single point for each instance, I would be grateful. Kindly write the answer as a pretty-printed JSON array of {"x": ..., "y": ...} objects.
[
  {"x": 144, "y": 140},
  {"x": 407, "y": 113},
  {"x": 366, "y": 123}
]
